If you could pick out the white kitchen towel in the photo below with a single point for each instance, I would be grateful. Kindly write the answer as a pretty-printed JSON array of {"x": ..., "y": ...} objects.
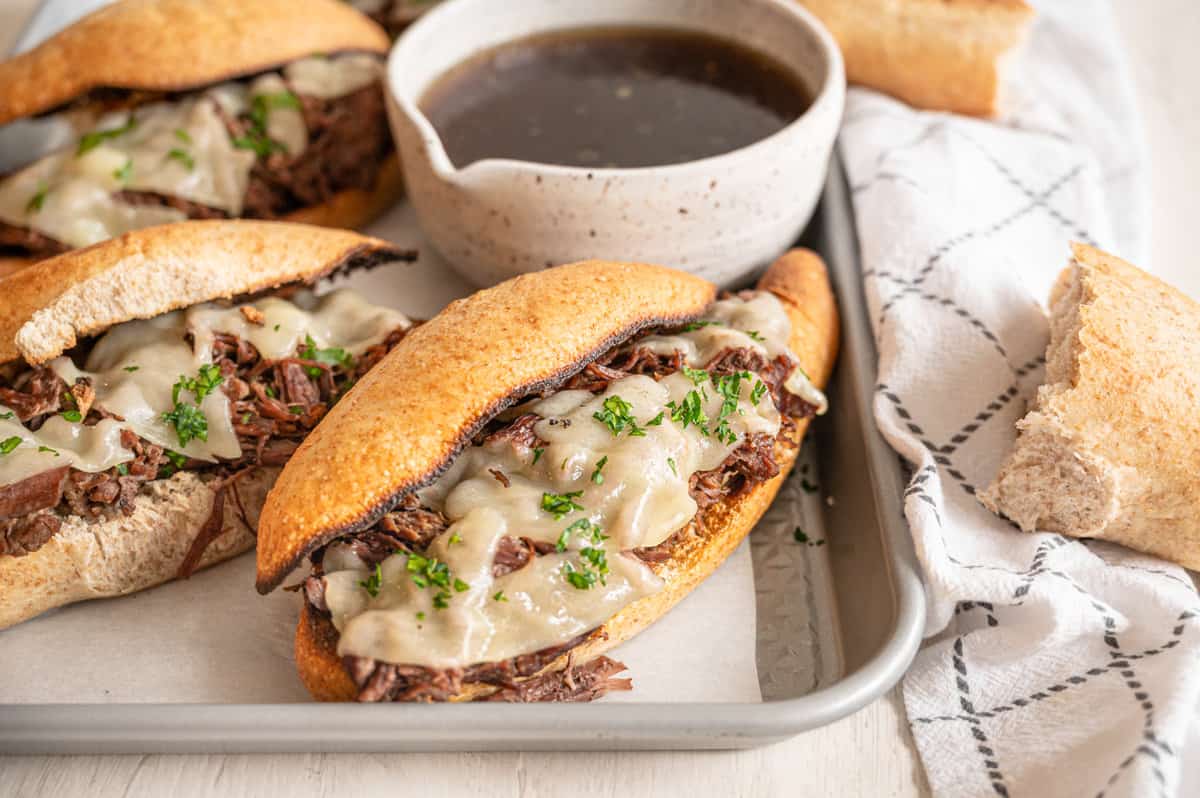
[{"x": 1054, "y": 666}]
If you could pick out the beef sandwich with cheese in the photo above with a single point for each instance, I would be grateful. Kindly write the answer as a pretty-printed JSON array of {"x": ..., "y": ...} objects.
[
  {"x": 540, "y": 472},
  {"x": 198, "y": 109},
  {"x": 153, "y": 384}
]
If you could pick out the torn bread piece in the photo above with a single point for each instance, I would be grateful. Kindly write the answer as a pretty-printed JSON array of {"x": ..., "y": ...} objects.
[
  {"x": 151, "y": 387},
  {"x": 574, "y": 451},
  {"x": 1111, "y": 447}
]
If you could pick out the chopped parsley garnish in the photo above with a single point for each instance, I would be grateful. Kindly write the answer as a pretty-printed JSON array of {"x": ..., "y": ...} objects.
[
  {"x": 696, "y": 325},
  {"x": 372, "y": 584},
  {"x": 246, "y": 418},
  {"x": 125, "y": 172},
  {"x": 697, "y": 376},
  {"x": 74, "y": 416},
  {"x": 561, "y": 504},
  {"x": 581, "y": 579},
  {"x": 616, "y": 417},
  {"x": 460, "y": 585},
  {"x": 38, "y": 199},
  {"x": 132, "y": 369},
  {"x": 420, "y": 616},
  {"x": 754, "y": 336},
  {"x": 585, "y": 529},
  {"x": 725, "y": 434},
  {"x": 599, "y": 560},
  {"x": 91, "y": 141},
  {"x": 657, "y": 420},
  {"x": 183, "y": 135},
  {"x": 537, "y": 455},
  {"x": 428, "y": 571},
  {"x": 441, "y": 600},
  {"x": 256, "y": 137},
  {"x": 48, "y": 449},
  {"x": 454, "y": 538},
  {"x": 7, "y": 415},
  {"x": 189, "y": 423},
  {"x": 205, "y": 382},
  {"x": 176, "y": 458},
  {"x": 183, "y": 156},
  {"x": 690, "y": 412},
  {"x": 499, "y": 596},
  {"x": 269, "y": 391},
  {"x": 757, "y": 392},
  {"x": 276, "y": 328},
  {"x": 799, "y": 535},
  {"x": 333, "y": 355},
  {"x": 8, "y": 444},
  {"x": 123, "y": 469},
  {"x": 598, "y": 477},
  {"x": 671, "y": 463}
]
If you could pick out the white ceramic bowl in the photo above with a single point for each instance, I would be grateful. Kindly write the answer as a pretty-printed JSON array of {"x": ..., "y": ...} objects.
[{"x": 721, "y": 217}]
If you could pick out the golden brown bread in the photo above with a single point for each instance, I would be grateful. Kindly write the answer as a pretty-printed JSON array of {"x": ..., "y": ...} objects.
[
  {"x": 940, "y": 55},
  {"x": 453, "y": 384},
  {"x": 174, "y": 45},
  {"x": 1111, "y": 448},
  {"x": 50, "y": 305},
  {"x": 799, "y": 279},
  {"x": 130, "y": 552}
]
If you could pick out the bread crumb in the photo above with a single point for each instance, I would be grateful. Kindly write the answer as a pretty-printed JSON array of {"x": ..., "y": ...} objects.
[{"x": 253, "y": 315}]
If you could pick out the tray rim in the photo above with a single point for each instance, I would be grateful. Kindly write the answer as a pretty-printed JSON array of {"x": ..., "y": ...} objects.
[
  {"x": 177, "y": 728},
  {"x": 309, "y": 727}
]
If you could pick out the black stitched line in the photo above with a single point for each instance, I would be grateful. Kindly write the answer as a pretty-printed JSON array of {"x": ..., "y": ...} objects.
[{"x": 983, "y": 745}]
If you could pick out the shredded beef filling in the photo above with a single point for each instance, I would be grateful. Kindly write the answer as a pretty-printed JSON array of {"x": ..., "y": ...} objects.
[
  {"x": 348, "y": 140},
  {"x": 752, "y": 463},
  {"x": 274, "y": 404}
]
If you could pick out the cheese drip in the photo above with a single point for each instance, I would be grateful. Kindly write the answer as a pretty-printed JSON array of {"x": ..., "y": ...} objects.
[
  {"x": 632, "y": 491},
  {"x": 178, "y": 149},
  {"x": 134, "y": 367}
]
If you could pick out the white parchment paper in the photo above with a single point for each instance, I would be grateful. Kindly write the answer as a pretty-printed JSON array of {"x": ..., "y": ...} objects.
[{"x": 213, "y": 639}]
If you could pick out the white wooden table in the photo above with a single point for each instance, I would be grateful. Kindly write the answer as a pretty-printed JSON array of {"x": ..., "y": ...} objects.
[{"x": 868, "y": 754}]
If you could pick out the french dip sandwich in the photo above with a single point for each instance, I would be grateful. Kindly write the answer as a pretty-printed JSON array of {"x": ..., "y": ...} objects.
[
  {"x": 198, "y": 109},
  {"x": 540, "y": 472},
  {"x": 152, "y": 385}
]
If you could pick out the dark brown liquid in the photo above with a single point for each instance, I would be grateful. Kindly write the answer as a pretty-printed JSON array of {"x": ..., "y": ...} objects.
[{"x": 612, "y": 97}]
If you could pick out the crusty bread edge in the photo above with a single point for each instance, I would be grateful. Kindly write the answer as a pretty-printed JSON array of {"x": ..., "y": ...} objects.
[
  {"x": 800, "y": 280},
  {"x": 142, "y": 274},
  {"x": 177, "y": 45},
  {"x": 453, "y": 384},
  {"x": 104, "y": 559},
  {"x": 932, "y": 54}
]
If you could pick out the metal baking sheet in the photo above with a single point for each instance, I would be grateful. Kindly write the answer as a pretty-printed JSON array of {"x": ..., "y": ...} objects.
[{"x": 839, "y": 617}]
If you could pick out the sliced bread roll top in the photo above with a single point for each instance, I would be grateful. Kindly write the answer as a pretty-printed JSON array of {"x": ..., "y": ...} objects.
[
  {"x": 1111, "y": 447},
  {"x": 175, "y": 45},
  {"x": 406, "y": 420},
  {"x": 49, "y": 306}
]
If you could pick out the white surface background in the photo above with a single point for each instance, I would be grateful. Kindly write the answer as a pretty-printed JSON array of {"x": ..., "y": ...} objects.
[{"x": 869, "y": 753}]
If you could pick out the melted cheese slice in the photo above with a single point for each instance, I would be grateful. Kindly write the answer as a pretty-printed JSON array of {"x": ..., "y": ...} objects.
[
  {"x": 178, "y": 149},
  {"x": 135, "y": 365},
  {"x": 632, "y": 487}
]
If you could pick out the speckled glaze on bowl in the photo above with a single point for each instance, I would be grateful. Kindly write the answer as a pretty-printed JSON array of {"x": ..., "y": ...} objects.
[{"x": 721, "y": 217}]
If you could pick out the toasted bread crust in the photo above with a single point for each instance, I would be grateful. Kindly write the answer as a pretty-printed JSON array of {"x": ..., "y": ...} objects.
[
  {"x": 940, "y": 55},
  {"x": 800, "y": 280},
  {"x": 1111, "y": 447},
  {"x": 523, "y": 334},
  {"x": 175, "y": 45},
  {"x": 89, "y": 560},
  {"x": 145, "y": 273}
]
